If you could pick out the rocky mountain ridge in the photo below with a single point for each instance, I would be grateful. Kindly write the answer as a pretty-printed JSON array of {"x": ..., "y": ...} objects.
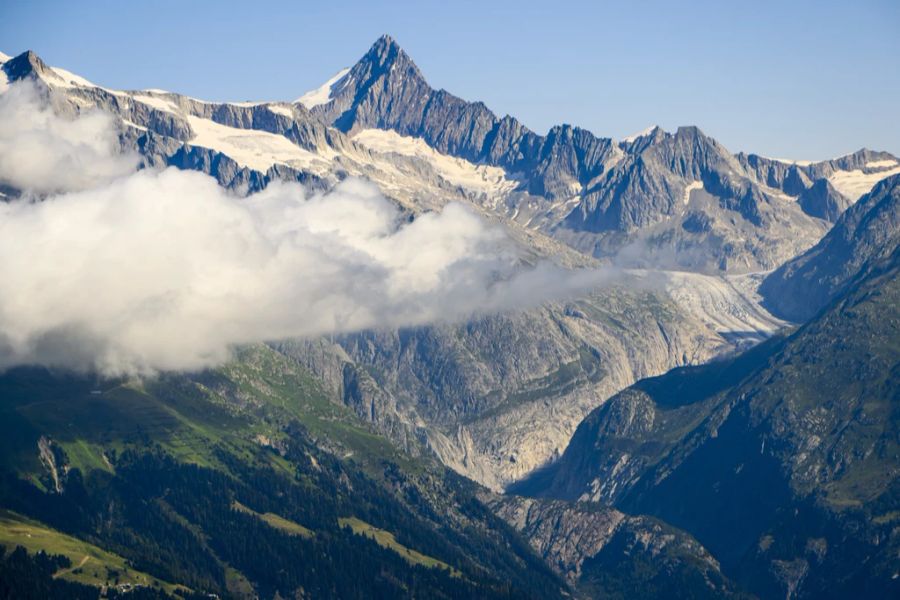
[
  {"x": 584, "y": 543},
  {"x": 867, "y": 232}
]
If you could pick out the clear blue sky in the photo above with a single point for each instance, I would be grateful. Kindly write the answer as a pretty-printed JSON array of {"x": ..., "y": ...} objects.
[{"x": 804, "y": 79}]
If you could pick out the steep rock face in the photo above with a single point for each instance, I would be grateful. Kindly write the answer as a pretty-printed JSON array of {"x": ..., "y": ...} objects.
[
  {"x": 783, "y": 462},
  {"x": 617, "y": 443},
  {"x": 158, "y": 125},
  {"x": 823, "y": 201},
  {"x": 29, "y": 65},
  {"x": 867, "y": 232},
  {"x": 789, "y": 177},
  {"x": 385, "y": 90},
  {"x": 500, "y": 395},
  {"x": 603, "y": 552},
  {"x": 865, "y": 160},
  {"x": 851, "y": 176},
  {"x": 650, "y": 183}
]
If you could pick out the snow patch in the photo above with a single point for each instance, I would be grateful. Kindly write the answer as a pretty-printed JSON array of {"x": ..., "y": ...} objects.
[
  {"x": 460, "y": 172},
  {"x": 71, "y": 79},
  {"x": 257, "y": 150},
  {"x": 157, "y": 103},
  {"x": 790, "y": 161},
  {"x": 854, "y": 184},
  {"x": 322, "y": 94},
  {"x": 135, "y": 125},
  {"x": 694, "y": 185},
  {"x": 281, "y": 110},
  {"x": 640, "y": 134},
  {"x": 881, "y": 164},
  {"x": 4, "y": 57}
]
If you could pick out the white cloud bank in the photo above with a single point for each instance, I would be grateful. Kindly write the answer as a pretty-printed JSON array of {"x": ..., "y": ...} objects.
[
  {"x": 168, "y": 271},
  {"x": 44, "y": 153}
]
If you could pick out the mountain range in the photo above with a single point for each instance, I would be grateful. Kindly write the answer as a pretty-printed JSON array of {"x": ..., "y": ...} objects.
[
  {"x": 663, "y": 435},
  {"x": 670, "y": 199}
]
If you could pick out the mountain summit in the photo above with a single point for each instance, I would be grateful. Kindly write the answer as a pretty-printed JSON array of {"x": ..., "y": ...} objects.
[
  {"x": 386, "y": 52},
  {"x": 26, "y": 65},
  {"x": 381, "y": 86}
]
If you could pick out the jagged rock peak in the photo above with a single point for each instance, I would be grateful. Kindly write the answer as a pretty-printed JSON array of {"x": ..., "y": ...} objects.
[
  {"x": 385, "y": 45},
  {"x": 641, "y": 140},
  {"x": 385, "y": 54},
  {"x": 653, "y": 130},
  {"x": 23, "y": 65},
  {"x": 689, "y": 131}
]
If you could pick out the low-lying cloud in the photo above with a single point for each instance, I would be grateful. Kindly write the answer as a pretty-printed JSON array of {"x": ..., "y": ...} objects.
[
  {"x": 165, "y": 270},
  {"x": 44, "y": 153}
]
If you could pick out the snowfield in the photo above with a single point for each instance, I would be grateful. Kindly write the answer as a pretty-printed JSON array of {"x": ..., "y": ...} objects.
[
  {"x": 251, "y": 148},
  {"x": 854, "y": 184},
  {"x": 476, "y": 178},
  {"x": 322, "y": 94}
]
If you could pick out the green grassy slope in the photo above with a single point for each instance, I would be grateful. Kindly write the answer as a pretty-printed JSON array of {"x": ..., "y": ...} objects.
[
  {"x": 90, "y": 564},
  {"x": 212, "y": 480}
]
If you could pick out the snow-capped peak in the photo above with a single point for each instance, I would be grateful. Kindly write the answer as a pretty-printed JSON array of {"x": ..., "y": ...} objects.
[
  {"x": 4, "y": 57},
  {"x": 640, "y": 134},
  {"x": 322, "y": 94},
  {"x": 791, "y": 161}
]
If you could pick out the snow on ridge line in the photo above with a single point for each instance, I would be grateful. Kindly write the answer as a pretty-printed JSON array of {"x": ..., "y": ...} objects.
[
  {"x": 157, "y": 103},
  {"x": 71, "y": 79},
  {"x": 63, "y": 78},
  {"x": 322, "y": 94},
  {"x": 791, "y": 161},
  {"x": 280, "y": 110},
  {"x": 639, "y": 134},
  {"x": 875, "y": 164}
]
